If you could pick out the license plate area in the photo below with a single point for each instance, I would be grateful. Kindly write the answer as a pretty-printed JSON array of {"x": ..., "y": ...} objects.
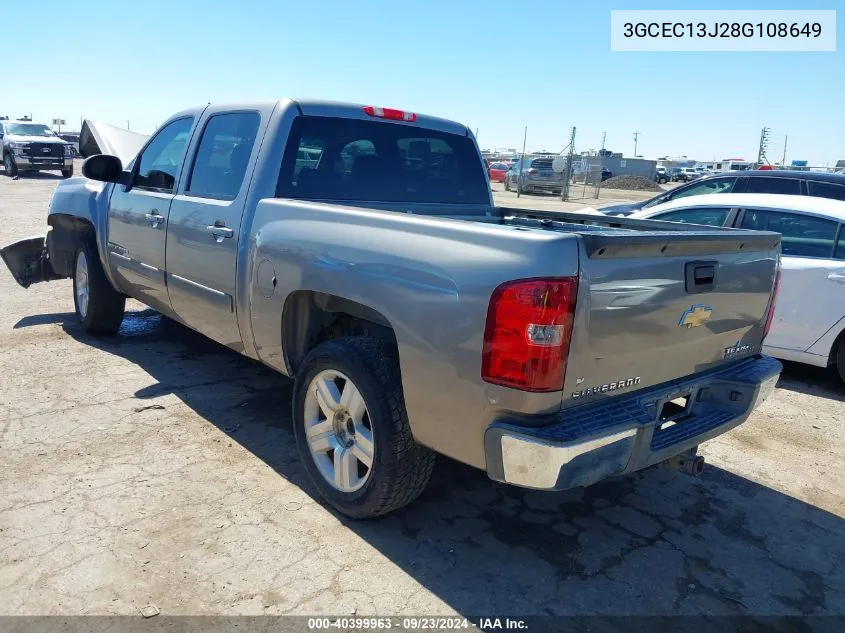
[{"x": 674, "y": 410}]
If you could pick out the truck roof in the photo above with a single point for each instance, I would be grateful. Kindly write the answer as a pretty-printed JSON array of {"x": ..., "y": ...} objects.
[{"x": 319, "y": 107}]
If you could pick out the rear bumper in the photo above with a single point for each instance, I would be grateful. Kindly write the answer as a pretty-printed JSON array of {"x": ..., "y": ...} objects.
[{"x": 616, "y": 436}]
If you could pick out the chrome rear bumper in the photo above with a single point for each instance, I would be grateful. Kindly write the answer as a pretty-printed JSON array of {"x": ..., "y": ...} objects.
[{"x": 623, "y": 434}]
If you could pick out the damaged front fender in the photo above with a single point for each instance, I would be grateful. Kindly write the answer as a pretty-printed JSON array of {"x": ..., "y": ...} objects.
[{"x": 28, "y": 261}]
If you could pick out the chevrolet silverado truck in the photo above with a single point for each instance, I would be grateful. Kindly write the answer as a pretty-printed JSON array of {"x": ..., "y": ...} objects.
[
  {"x": 357, "y": 249},
  {"x": 31, "y": 147}
]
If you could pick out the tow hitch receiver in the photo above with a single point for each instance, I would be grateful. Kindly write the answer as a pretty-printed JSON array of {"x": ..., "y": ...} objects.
[
  {"x": 28, "y": 261},
  {"x": 687, "y": 462}
]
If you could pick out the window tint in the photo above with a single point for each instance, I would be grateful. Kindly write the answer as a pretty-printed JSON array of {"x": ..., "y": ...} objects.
[
  {"x": 827, "y": 190},
  {"x": 774, "y": 185},
  {"x": 223, "y": 154},
  {"x": 715, "y": 185},
  {"x": 801, "y": 235},
  {"x": 711, "y": 216},
  {"x": 345, "y": 159},
  {"x": 162, "y": 157}
]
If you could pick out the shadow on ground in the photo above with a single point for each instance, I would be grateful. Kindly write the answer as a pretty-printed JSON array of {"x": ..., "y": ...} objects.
[
  {"x": 652, "y": 543},
  {"x": 815, "y": 381}
]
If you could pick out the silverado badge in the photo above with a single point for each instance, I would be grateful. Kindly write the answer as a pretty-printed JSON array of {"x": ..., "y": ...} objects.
[{"x": 695, "y": 315}]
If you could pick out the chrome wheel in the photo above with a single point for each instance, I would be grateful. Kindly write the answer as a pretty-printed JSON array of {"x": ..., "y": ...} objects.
[
  {"x": 338, "y": 431},
  {"x": 81, "y": 283}
]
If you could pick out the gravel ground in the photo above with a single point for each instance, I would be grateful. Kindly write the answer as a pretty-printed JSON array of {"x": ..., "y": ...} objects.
[{"x": 159, "y": 468}]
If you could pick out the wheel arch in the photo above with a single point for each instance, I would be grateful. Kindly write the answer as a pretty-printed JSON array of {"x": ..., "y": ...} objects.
[
  {"x": 67, "y": 233},
  {"x": 310, "y": 318}
]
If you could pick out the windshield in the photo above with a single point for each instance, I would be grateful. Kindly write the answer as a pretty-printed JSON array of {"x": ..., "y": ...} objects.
[{"x": 28, "y": 129}]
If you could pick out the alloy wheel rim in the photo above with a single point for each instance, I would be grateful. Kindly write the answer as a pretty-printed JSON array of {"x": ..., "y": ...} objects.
[
  {"x": 81, "y": 278},
  {"x": 338, "y": 431}
]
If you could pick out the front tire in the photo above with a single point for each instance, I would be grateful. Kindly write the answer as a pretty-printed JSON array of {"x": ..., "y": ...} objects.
[
  {"x": 352, "y": 429},
  {"x": 9, "y": 165},
  {"x": 99, "y": 307},
  {"x": 507, "y": 184}
]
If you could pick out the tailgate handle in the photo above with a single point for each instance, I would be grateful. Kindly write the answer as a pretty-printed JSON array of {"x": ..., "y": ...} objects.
[{"x": 700, "y": 276}]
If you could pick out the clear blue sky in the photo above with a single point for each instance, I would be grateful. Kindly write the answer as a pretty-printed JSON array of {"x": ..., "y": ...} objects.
[{"x": 493, "y": 65}]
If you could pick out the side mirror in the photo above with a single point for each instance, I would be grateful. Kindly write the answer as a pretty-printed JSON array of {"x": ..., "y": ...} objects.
[{"x": 104, "y": 168}]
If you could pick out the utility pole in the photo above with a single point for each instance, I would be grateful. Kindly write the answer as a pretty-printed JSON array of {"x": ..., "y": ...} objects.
[
  {"x": 521, "y": 161},
  {"x": 764, "y": 145},
  {"x": 564, "y": 188},
  {"x": 783, "y": 160},
  {"x": 601, "y": 165},
  {"x": 636, "y": 135}
]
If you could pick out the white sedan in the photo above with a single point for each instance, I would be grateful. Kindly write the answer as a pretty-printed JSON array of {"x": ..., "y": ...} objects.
[{"x": 809, "y": 321}]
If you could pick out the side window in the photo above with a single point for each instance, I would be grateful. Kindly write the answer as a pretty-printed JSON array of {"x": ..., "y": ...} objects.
[
  {"x": 827, "y": 190},
  {"x": 715, "y": 185},
  {"x": 790, "y": 186},
  {"x": 710, "y": 216},
  {"x": 161, "y": 158},
  {"x": 223, "y": 155},
  {"x": 801, "y": 235}
]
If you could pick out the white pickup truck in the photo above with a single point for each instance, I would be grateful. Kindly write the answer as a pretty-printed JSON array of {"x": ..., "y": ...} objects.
[{"x": 357, "y": 249}]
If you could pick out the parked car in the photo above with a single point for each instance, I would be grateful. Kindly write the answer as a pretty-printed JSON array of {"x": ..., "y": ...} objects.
[
  {"x": 685, "y": 174},
  {"x": 661, "y": 175},
  {"x": 809, "y": 320},
  {"x": 536, "y": 174},
  {"x": 414, "y": 315},
  {"x": 786, "y": 182},
  {"x": 497, "y": 172},
  {"x": 31, "y": 147}
]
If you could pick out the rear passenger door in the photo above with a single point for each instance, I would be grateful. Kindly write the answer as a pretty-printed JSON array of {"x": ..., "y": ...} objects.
[
  {"x": 812, "y": 290},
  {"x": 206, "y": 219},
  {"x": 708, "y": 216}
]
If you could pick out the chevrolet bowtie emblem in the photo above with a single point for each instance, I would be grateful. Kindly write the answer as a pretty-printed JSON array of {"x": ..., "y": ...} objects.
[{"x": 695, "y": 315}]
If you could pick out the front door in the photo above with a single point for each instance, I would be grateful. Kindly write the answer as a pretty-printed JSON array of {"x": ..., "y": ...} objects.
[
  {"x": 205, "y": 223},
  {"x": 138, "y": 216}
]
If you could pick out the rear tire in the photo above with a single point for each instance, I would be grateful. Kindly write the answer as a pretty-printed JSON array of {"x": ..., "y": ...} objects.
[
  {"x": 67, "y": 173},
  {"x": 840, "y": 359},
  {"x": 9, "y": 165},
  {"x": 99, "y": 307},
  {"x": 362, "y": 459}
]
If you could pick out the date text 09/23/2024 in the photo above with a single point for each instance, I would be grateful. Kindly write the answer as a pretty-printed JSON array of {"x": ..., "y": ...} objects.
[{"x": 418, "y": 623}]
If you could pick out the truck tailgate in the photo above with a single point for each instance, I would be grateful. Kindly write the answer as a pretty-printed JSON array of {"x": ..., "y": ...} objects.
[
  {"x": 656, "y": 306},
  {"x": 664, "y": 302}
]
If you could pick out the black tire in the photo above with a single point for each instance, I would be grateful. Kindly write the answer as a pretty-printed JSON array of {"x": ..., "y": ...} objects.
[
  {"x": 520, "y": 188},
  {"x": 67, "y": 173},
  {"x": 840, "y": 358},
  {"x": 9, "y": 165},
  {"x": 507, "y": 184},
  {"x": 104, "y": 312},
  {"x": 401, "y": 468}
]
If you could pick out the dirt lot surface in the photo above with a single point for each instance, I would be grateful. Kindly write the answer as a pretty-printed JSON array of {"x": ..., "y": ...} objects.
[{"x": 157, "y": 467}]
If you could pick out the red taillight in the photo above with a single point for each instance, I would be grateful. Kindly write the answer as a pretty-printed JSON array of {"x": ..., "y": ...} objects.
[
  {"x": 390, "y": 113},
  {"x": 526, "y": 339},
  {"x": 770, "y": 315}
]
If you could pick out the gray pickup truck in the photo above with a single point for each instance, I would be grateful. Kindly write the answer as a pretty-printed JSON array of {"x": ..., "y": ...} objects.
[{"x": 357, "y": 249}]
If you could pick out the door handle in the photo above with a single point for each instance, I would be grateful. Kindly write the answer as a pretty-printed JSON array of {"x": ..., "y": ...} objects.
[
  {"x": 155, "y": 218},
  {"x": 219, "y": 233},
  {"x": 839, "y": 277}
]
